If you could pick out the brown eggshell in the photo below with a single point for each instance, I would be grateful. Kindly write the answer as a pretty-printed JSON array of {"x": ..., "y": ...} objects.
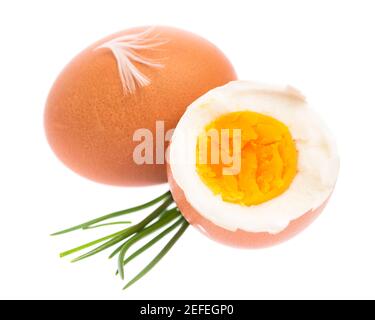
[
  {"x": 90, "y": 122},
  {"x": 239, "y": 238}
]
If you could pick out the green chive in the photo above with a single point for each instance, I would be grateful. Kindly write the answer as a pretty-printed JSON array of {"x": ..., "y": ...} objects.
[
  {"x": 127, "y": 232},
  {"x": 161, "y": 254},
  {"x": 153, "y": 241},
  {"x": 165, "y": 214},
  {"x": 139, "y": 236},
  {"x": 114, "y": 215},
  {"x": 106, "y": 224}
]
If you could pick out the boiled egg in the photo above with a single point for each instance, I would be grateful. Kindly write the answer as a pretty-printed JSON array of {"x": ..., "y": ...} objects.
[{"x": 251, "y": 165}]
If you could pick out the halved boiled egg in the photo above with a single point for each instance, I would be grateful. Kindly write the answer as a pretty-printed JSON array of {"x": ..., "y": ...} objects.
[{"x": 251, "y": 164}]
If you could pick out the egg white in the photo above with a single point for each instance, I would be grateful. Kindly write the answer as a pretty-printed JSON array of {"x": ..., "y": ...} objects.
[{"x": 318, "y": 161}]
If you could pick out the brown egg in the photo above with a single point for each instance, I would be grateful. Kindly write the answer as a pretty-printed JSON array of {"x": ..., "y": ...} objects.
[{"x": 91, "y": 113}]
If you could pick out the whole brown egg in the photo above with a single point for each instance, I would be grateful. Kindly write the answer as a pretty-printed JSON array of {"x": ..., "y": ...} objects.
[{"x": 123, "y": 83}]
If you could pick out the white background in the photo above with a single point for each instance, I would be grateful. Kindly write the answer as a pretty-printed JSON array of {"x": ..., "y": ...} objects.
[{"x": 325, "y": 48}]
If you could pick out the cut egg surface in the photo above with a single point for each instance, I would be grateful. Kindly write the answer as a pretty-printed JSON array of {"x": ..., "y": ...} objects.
[{"x": 251, "y": 164}]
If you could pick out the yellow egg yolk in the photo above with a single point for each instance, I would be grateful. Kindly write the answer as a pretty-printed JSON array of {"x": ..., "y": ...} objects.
[{"x": 246, "y": 157}]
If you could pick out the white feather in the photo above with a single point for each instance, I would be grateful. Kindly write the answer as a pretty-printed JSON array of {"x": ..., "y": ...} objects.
[{"x": 126, "y": 49}]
